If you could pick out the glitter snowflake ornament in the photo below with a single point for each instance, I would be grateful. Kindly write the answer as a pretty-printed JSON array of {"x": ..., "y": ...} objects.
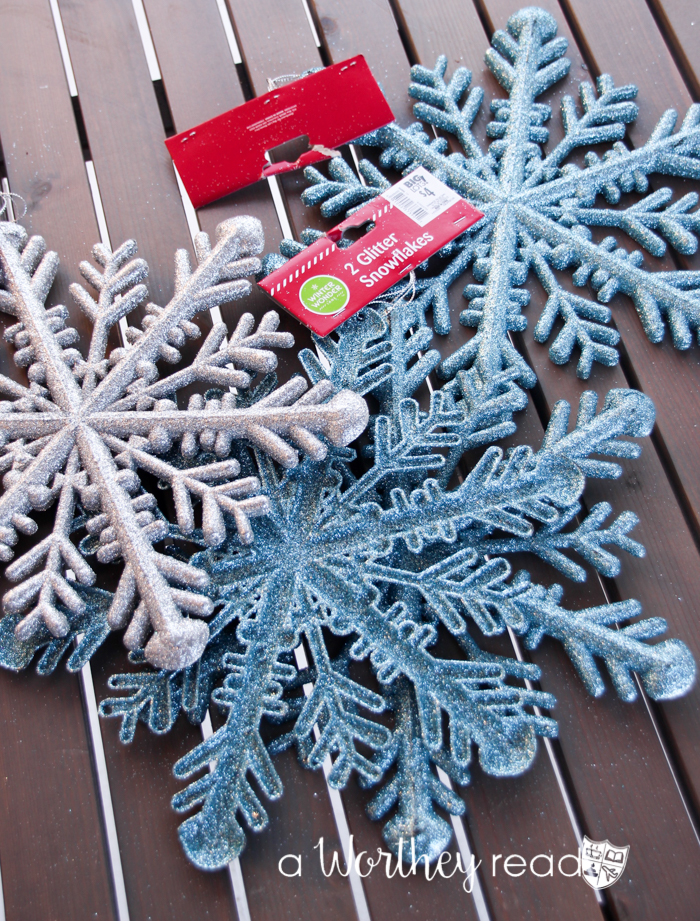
[
  {"x": 366, "y": 559},
  {"x": 85, "y": 426},
  {"x": 539, "y": 207}
]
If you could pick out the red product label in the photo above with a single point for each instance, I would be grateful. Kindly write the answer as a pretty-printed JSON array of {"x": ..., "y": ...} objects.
[
  {"x": 324, "y": 285},
  {"x": 331, "y": 107}
]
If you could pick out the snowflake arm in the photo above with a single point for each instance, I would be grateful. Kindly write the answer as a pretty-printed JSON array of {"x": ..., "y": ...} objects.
[
  {"x": 56, "y": 552},
  {"x": 612, "y": 269},
  {"x": 120, "y": 292},
  {"x": 667, "y": 669},
  {"x": 583, "y": 319},
  {"x": 604, "y": 120},
  {"x": 343, "y": 192},
  {"x": 438, "y": 105},
  {"x": 414, "y": 789}
]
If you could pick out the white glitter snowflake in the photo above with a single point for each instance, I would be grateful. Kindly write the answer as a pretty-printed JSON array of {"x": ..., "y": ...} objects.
[{"x": 83, "y": 427}]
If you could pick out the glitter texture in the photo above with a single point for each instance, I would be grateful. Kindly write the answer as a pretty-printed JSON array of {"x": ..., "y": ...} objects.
[
  {"x": 539, "y": 207},
  {"x": 84, "y": 426}
]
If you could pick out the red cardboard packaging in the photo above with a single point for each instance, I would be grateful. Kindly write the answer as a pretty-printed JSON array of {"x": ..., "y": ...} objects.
[
  {"x": 325, "y": 285},
  {"x": 332, "y": 107}
]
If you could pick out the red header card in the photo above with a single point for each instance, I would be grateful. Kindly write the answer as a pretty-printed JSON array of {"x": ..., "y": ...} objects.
[
  {"x": 324, "y": 285},
  {"x": 332, "y": 107}
]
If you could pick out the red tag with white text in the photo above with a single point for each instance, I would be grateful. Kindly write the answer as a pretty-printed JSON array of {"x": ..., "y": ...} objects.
[
  {"x": 331, "y": 107},
  {"x": 325, "y": 285}
]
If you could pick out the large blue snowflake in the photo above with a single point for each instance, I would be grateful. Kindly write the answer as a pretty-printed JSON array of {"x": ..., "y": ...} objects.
[{"x": 539, "y": 208}]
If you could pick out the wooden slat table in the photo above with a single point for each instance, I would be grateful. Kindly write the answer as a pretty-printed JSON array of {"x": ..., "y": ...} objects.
[{"x": 89, "y": 90}]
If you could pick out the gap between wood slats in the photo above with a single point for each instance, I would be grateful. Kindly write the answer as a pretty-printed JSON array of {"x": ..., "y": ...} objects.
[
  {"x": 86, "y": 683},
  {"x": 490, "y": 29},
  {"x": 411, "y": 53},
  {"x": 672, "y": 16},
  {"x": 98, "y": 751},
  {"x": 280, "y": 200},
  {"x": 339, "y": 815}
]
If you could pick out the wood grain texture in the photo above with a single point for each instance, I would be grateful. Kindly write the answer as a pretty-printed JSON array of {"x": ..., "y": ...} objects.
[
  {"x": 275, "y": 39},
  {"x": 680, "y": 22},
  {"x": 52, "y": 850},
  {"x": 125, "y": 131},
  {"x": 43, "y": 157},
  {"x": 368, "y": 27}
]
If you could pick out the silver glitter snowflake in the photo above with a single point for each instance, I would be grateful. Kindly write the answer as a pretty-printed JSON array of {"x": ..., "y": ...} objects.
[
  {"x": 539, "y": 207},
  {"x": 85, "y": 427}
]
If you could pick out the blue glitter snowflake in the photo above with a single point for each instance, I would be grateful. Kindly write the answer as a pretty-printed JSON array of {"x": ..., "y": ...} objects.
[
  {"x": 539, "y": 207},
  {"x": 351, "y": 624}
]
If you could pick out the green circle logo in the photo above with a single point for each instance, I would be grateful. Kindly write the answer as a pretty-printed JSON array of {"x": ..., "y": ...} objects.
[{"x": 324, "y": 294}]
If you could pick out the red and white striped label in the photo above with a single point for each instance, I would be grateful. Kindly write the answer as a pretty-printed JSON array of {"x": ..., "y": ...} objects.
[{"x": 326, "y": 284}]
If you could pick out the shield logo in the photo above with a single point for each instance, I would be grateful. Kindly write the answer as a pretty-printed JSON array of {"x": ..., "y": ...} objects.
[{"x": 602, "y": 863}]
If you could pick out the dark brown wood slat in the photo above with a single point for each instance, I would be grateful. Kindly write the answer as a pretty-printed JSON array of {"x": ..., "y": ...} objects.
[
  {"x": 303, "y": 814},
  {"x": 681, "y": 24},
  {"x": 413, "y": 897},
  {"x": 636, "y": 727},
  {"x": 276, "y": 39},
  {"x": 160, "y": 881},
  {"x": 52, "y": 850},
  {"x": 40, "y": 142},
  {"x": 623, "y": 39},
  {"x": 537, "y": 793},
  {"x": 125, "y": 131},
  {"x": 348, "y": 28},
  {"x": 200, "y": 81}
]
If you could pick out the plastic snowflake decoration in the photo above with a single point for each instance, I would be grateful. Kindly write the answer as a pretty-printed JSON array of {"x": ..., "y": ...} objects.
[
  {"x": 539, "y": 208},
  {"x": 84, "y": 428},
  {"x": 386, "y": 561},
  {"x": 371, "y": 558}
]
